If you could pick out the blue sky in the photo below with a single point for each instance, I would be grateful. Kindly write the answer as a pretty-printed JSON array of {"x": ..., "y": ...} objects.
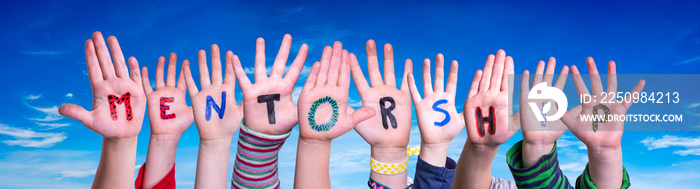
[{"x": 44, "y": 67}]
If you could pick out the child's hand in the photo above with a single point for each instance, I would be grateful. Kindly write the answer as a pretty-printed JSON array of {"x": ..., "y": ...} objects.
[
  {"x": 216, "y": 113},
  {"x": 602, "y": 137},
  {"x": 488, "y": 103},
  {"x": 323, "y": 104},
  {"x": 168, "y": 112},
  {"x": 390, "y": 127},
  {"x": 118, "y": 101},
  {"x": 539, "y": 136},
  {"x": 438, "y": 119},
  {"x": 275, "y": 90},
  {"x": 608, "y": 133}
]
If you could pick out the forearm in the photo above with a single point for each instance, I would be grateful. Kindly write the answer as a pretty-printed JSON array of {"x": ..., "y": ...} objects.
[
  {"x": 605, "y": 166},
  {"x": 533, "y": 151},
  {"x": 212, "y": 164},
  {"x": 311, "y": 170},
  {"x": 474, "y": 166},
  {"x": 116, "y": 167},
  {"x": 391, "y": 156},
  {"x": 160, "y": 158}
]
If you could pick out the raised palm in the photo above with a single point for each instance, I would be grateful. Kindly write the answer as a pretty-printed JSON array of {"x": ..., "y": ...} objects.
[
  {"x": 608, "y": 132},
  {"x": 325, "y": 97},
  {"x": 274, "y": 89},
  {"x": 110, "y": 76},
  {"x": 386, "y": 131},
  {"x": 435, "y": 126},
  {"x": 491, "y": 90},
  {"x": 224, "y": 123},
  {"x": 535, "y": 131},
  {"x": 168, "y": 111}
]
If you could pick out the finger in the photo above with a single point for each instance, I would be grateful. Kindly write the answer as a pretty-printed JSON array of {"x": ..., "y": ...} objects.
[
  {"x": 578, "y": 81},
  {"x": 336, "y": 60},
  {"x": 414, "y": 90},
  {"x": 191, "y": 86},
  {"x": 159, "y": 73},
  {"x": 344, "y": 76},
  {"x": 181, "y": 80},
  {"x": 561, "y": 80},
  {"x": 76, "y": 112},
  {"x": 203, "y": 70},
  {"x": 215, "y": 65},
  {"x": 570, "y": 117},
  {"x": 357, "y": 75},
  {"x": 525, "y": 86},
  {"x": 389, "y": 75},
  {"x": 230, "y": 77},
  {"x": 539, "y": 73},
  {"x": 260, "y": 70},
  {"x": 375, "y": 77},
  {"x": 103, "y": 55},
  {"x": 325, "y": 63},
  {"x": 118, "y": 57},
  {"x": 497, "y": 72},
  {"x": 596, "y": 84},
  {"x": 311, "y": 79},
  {"x": 298, "y": 64},
  {"x": 439, "y": 74},
  {"x": 147, "y": 88},
  {"x": 475, "y": 84},
  {"x": 637, "y": 89},
  {"x": 243, "y": 80},
  {"x": 93, "y": 64},
  {"x": 172, "y": 70},
  {"x": 612, "y": 77},
  {"x": 135, "y": 72},
  {"x": 486, "y": 74},
  {"x": 452, "y": 78},
  {"x": 549, "y": 73},
  {"x": 408, "y": 68},
  {"x": 282, "y": 55},
  {"x": 427, "y": 86},
  {"x": 507, "y": 81},
  {"x": 361, "y": 114}
]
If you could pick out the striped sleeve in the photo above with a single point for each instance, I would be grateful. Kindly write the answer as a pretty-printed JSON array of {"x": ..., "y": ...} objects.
[
  {"x": 544, "y": 174},
  {"x": 584, "y": 181},
  {"x": 256, "y": 159}
]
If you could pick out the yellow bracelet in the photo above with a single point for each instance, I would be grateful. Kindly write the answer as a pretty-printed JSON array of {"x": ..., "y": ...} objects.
[{"x": 392, "y": 168}]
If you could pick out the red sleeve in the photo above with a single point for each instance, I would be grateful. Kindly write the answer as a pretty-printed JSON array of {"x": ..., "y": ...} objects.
[{"x": 168, "y": 181}]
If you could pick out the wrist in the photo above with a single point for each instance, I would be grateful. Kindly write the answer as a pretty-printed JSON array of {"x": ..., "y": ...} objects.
[
  {"x": 479, "y": 149},
  {"x": 216, "y": 142},
  {"x": 314, "y": 142},
  {"x": 389, "y": 154},
  {"x": 120, "y": 141},
  {"x": 533, "y": 151},
  {"x": 434, "y": 154},
  {"x": 604, "y": 153}
]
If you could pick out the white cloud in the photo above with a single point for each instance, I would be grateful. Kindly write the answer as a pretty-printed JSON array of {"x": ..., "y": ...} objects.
[
  {"x": 355, "y": 103},
  {"x": 69, "y": 95},
  {"x": 77, "y": 174},
  {"x": 51, "y": 113},
  {"x": 575, "y": 166},
  {"x": 563, "y": 142},
  {"x": 668, "y": 141},
  {"x": 44, "y": 52},
  {"x": 295, "y": 94},
  {"x": 692, "y": 151},
  {"x": 53, "y": 125},
  {"x": 694, "y": 59},
  {"x": 32, "y": 97},
  {"x": 29, "y": 138}
]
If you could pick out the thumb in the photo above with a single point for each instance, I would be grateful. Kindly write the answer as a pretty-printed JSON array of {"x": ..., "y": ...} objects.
[
  {"x": 362, "y": 114},
  {"x": 76, "y": 112}
]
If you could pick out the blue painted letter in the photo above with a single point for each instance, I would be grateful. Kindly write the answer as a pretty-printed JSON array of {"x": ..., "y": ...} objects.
[
  {"x": 447, "y": 114},
  {"x": 212, "y": 104}
]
